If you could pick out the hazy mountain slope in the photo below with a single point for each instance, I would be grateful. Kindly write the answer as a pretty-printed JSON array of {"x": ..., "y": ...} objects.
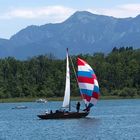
[{"x": 83, "y": 32}]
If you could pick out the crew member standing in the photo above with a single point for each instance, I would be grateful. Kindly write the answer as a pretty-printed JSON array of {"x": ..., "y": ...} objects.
[{"x": 78, "y": 106}]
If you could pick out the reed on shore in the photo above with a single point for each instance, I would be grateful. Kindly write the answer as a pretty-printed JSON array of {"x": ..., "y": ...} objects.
[{"x": 10, "y": 100}]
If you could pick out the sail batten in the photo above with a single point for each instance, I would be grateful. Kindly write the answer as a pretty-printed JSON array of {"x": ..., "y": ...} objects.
[
  {"x": 66, "y": 101},
  {"x": 88, "y": 83}
]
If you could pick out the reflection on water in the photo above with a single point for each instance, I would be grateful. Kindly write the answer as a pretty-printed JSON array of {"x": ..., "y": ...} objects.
[{"x": 109, "y": 120}]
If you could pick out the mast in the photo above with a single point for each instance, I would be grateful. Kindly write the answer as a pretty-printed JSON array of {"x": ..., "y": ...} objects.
[{"x": 66, "y": 101}]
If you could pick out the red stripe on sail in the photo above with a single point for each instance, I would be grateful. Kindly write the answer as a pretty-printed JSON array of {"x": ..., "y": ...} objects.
[
  {"x": 85, "y": 96},
  {"x": 94, "y": 76},
  {"x": 86, "y": 80},
  {"x": 95, "y": 95},
  {"x": 81, "y": 62}
]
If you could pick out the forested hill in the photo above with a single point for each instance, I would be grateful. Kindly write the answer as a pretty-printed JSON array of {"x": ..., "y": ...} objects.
[{"x": 118, "y": 73}]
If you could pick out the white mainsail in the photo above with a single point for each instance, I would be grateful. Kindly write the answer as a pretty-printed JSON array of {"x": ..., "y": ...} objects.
[{"x": 66, "y": 101}]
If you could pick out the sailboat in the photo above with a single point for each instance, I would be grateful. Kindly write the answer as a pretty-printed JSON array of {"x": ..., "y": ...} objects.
[{"x": 89, "y": 90}]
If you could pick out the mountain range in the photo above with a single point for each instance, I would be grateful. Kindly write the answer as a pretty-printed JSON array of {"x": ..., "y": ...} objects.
[{"x": 83, "y": 32}]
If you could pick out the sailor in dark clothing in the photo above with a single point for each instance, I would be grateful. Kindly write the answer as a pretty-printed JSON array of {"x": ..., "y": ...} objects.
[{"x": 78, "y": 106}]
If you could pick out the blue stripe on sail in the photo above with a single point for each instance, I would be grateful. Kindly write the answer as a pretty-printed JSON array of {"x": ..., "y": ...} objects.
[
  {"x": 87, "y": 92},
  {"x": 91, "y": 71},
  {"x": 85, "y": 74},
  {"x": 96, "y": 89}
]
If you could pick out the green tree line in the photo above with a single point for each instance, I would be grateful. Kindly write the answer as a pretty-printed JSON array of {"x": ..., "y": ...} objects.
[{"x": 118, "y": 74}]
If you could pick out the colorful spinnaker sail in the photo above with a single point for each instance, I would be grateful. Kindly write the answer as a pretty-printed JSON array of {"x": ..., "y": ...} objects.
[{"x": 88, "y": 83}]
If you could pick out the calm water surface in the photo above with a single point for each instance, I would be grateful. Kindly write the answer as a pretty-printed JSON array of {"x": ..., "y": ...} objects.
[{"x": 109, "y": 120}]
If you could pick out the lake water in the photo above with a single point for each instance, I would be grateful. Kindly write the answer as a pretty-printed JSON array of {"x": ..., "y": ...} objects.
[{"x": 109, "y": 120}]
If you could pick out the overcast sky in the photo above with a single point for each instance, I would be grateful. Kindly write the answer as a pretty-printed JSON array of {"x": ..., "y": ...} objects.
[{"x": 18, "y": 14}]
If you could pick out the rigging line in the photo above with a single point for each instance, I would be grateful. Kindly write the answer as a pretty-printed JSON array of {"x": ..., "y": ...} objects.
[
  {"x": 74, "y": 71},
  {"x": 76, "y": 77}
]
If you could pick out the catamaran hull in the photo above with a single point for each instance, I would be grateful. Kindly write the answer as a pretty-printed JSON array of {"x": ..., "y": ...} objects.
[{"x": 62, "y": 115}]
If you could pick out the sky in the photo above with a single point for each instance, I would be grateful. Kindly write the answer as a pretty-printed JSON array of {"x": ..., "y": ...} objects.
[{"x": 18, "y": 14}]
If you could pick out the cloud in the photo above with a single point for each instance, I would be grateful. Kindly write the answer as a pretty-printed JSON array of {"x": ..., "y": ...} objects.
[
  {"x": 121, "y": 11},
  {"x": 59, "y": 13},
  {"x": 131, "y": 7},
  {"x": 53, "y": 13}
]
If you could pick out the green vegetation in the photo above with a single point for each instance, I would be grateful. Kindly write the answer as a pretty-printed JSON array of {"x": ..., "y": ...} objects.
[
  {"x": 76, "y": 98},
  {"x": 118, "y": 74}
]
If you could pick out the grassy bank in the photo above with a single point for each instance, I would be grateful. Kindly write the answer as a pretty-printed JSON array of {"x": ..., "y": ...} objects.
[{"x": 8, "y": 100}]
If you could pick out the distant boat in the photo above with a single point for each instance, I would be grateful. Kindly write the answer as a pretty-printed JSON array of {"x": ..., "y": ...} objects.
[
  {"x": 41, "y": 101},
  {"x": 20, "y": 107},
  {"x": 89, "y": 90}
]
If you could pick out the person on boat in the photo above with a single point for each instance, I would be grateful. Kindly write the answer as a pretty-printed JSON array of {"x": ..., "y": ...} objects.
[{"x": 78, "y": 106}]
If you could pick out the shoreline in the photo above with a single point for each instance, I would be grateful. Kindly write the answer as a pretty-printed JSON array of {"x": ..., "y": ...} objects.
[{"x": 28, "y": 99}]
